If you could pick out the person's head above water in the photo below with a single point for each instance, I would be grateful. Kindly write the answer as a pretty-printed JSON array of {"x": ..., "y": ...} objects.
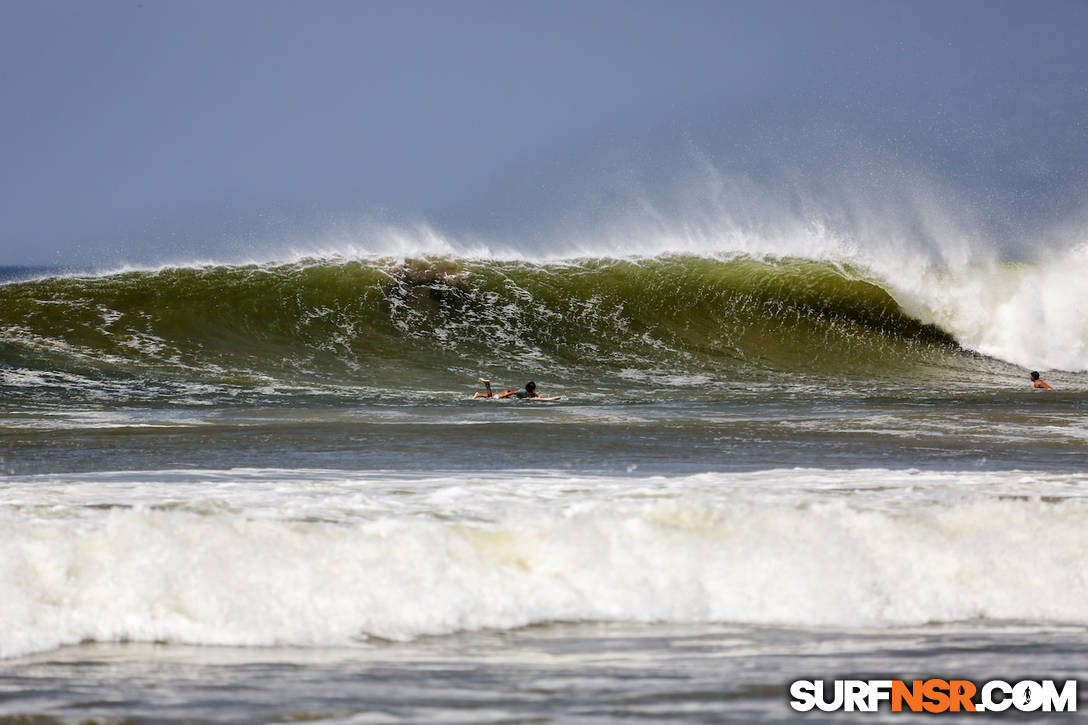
[
  {"x": 1037, "y": 382},
  {"x": 530, "y": 387}
]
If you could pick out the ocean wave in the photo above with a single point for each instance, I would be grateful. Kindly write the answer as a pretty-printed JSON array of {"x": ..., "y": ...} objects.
[
  {"x": 329, "y": 561},
  {"x": 369, "y": 320}
]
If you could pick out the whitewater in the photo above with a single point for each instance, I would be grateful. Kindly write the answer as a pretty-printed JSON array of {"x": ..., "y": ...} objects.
[{"x": 313, "y": 557}]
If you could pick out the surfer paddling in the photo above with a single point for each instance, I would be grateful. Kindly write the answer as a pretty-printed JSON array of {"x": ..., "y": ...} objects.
[
  {"x": 1039, "y": 383},
  {"x": 529, "y": 391}
]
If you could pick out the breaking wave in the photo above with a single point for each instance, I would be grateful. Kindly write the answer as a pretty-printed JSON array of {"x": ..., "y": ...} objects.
[
  {"x": 366, "y": 322},
  {"x": 318, "y": 558}
]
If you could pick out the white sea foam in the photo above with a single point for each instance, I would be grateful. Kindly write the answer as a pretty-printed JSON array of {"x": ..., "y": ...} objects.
[{"x": 328, "y": 558}]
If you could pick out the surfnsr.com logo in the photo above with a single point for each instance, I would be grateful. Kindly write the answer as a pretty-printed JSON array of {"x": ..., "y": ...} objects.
[{"x": 934, "y": 695}]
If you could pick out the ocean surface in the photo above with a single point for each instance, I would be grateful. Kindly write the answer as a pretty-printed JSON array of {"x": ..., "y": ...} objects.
[{"x": 262, "y": 491}]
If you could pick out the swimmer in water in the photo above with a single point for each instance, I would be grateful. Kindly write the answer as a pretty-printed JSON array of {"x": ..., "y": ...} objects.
[
  {"x": 1039, "y": 383},
  {"x": 529, "y": 391}
]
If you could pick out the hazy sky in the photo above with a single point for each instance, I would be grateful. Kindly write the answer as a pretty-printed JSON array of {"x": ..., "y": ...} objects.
[{"x": 144, "y": 128}]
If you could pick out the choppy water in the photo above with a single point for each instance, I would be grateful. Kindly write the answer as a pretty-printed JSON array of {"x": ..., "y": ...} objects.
[
  {"x": 262, "y": 492},
  {"x": 592, "y": 673}
]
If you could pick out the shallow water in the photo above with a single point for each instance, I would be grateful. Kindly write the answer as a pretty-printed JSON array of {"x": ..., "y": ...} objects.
[
  {"x": 972, "y": 430},
  {"x": 592, "y": 673}
]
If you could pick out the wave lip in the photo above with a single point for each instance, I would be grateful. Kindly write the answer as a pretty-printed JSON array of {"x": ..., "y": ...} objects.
[{"x": 1034, "y": 315}]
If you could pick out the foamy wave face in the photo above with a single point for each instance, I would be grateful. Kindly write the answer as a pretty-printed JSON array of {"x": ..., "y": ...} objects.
[
  {"x": 320, "y": 558},
  {"x": 1034, "y": 315}
]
